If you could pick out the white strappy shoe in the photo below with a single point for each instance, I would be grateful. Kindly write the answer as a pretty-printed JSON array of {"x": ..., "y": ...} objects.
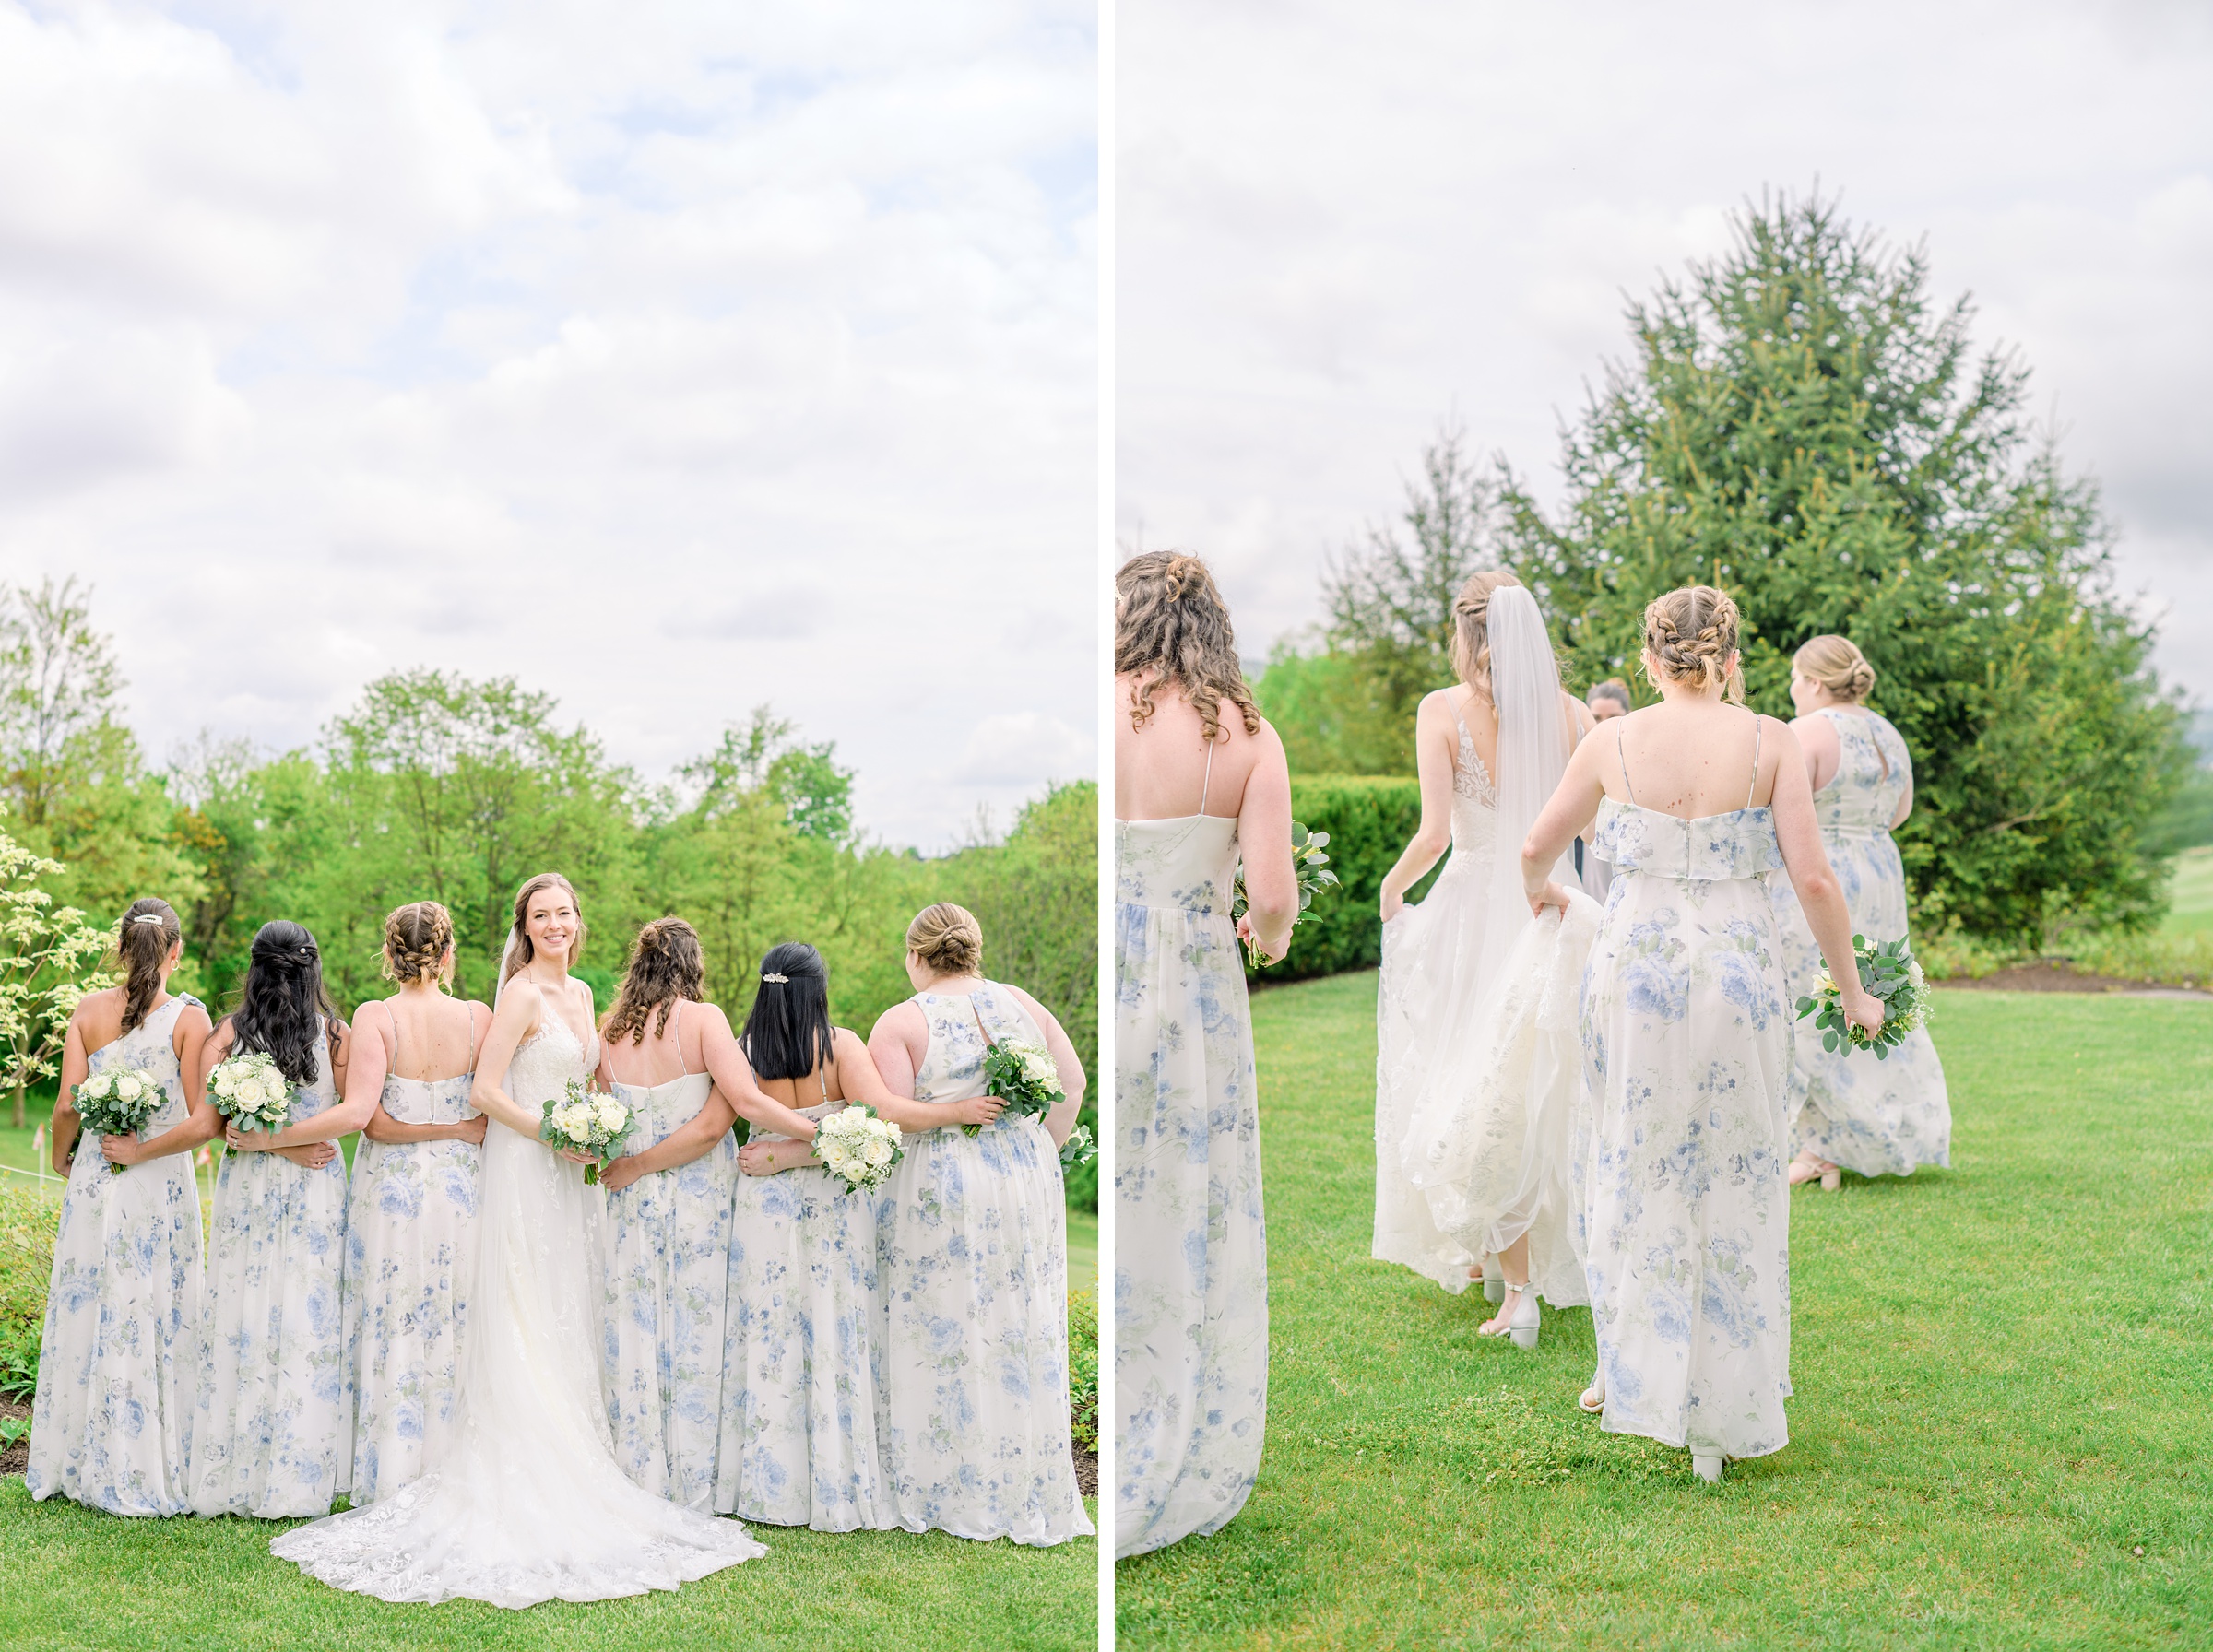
[
  {"x": 1594, "y": 1398},
  {"x": 1522, "y": 1324}
]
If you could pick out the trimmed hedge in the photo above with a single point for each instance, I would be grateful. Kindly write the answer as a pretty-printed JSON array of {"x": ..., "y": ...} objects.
[{"x": 1370, "y": 819}]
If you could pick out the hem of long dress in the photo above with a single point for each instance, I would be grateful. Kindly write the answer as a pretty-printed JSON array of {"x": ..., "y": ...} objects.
[
  {"x": 704, "y": 1564},
  {"x": 1157, "y": 1538},
  {"x": 1083, "y": 1528},
  {"x": 147, "y": 1511},
  {"x": 1680, "y": 1439},
  {"x": 1415, "y": 1262}
]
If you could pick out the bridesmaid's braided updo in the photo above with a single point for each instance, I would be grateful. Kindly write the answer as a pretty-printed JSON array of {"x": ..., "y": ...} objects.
[
  {"x": 1692, "y": 635},
  {"x": 1172, "y": 630},
  {"x": 417, "y": 937}
]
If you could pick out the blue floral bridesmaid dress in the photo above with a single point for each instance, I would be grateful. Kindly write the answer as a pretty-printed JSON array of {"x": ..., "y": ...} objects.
[
  {"x": 119, "y": 1360},
  {"x": 973, "y": 1240},
  {"x": 273, "y": 1423},
  {"x": 1687, "y": 1053},
  {"x": 804, "y": 1420},
  {"x": 410, "y": 1245},
  {"x": 668, "y": 1238},
  {"x": 1886, "y": 1118}
]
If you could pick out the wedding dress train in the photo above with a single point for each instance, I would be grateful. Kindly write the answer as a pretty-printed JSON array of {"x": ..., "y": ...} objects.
[{"x": 527, "y": 1504}]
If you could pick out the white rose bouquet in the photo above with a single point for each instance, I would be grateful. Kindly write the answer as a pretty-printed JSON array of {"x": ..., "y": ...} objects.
[
  {"x": 1023, "y": 1073},
  {"x": 250, "y": 1091},
  {"x": 117, "y": 1102},
  {"x": 589, "y": 1121},
  {"x": 858, "y": 1147},
  {"x": 1311, "y": 868},
  {"x": 1893, "y": 974}
]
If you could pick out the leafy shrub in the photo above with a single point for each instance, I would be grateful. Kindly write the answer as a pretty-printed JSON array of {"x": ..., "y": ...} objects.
[
  {"x": 1083, "y": 1368},
  {"x": 1368, "y": 819},
  {"x": 28, "y": 1220}
]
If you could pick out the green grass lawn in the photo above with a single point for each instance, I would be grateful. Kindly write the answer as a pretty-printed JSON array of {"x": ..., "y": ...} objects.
[
  {"x": 75, "y": 1578},
  {"x": 2003, "y": 1433},
  {"x": 2192, "y": 912}
]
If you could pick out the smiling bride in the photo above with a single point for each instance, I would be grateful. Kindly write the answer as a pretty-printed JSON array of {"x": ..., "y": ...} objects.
[{"x": 528, "y": 1504}]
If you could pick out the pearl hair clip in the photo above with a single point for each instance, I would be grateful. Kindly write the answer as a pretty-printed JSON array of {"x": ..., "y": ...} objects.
[{"x": 779, "y": 980}]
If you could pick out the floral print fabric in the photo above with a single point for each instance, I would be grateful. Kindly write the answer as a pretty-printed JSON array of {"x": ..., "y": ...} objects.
[
  {"x": 1884, "y": 1118},
  {"x": 410, "y": 1245},
  {"x": 1190, "y": 1270},
  {"x": 973, "y": 1246},
  {"x": 805, "y": 1416},
  {"x": 668, "y": 1238},
  {"x": 119, "y": 1357},
  {"x": 1685, "y": 1044},
  {"x": 273, "y": 1421}
]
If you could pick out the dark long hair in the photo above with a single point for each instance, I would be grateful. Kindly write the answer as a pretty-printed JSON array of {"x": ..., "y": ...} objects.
[
  {"x": 283, "y": 1004},
  {"x": 788, "y": 1035},
  {"x": 665, "y": 965},
  {"x": 142, "y": 941}
]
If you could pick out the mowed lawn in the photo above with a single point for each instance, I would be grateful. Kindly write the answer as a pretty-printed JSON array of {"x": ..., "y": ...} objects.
[{"x": 2003, "y": 1431}]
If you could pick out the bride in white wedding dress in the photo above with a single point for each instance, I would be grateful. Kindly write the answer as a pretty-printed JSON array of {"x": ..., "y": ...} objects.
[{"x": 528, "y": 1502}]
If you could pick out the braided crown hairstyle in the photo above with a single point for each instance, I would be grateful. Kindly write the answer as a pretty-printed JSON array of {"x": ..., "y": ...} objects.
[
  {"x": 142, "y": 941},
  {"x": 666, "y": 965},
  {"x": 1692, "y": 635},
  {"x": 282, "y": 1004},
  {"x": 1837, "y": 664},
  {"x": 1170, "y": 621},
  {"x": 415, "y": 938},
  {"x": 1472, "y": 628}
]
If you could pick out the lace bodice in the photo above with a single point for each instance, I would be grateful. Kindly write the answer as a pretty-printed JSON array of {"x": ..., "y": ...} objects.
[
  {"x": 1188, "y": 862},
  {"x": 1738, "y": 845},
  {"x": 1860, "y": 798},
  {"x": 1474, "y": 801},
  {"x": 547, "y": 1059}
]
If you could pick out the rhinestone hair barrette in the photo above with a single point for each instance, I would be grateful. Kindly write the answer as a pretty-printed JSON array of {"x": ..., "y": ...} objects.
[{"x": 779, "y": 980}]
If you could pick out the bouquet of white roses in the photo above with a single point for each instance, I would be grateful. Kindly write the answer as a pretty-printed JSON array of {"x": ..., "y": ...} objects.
[
  {"x": 857, "y": 1147},
  {"x": 1893, "y": 974},
  {"x": 1025, "y": 1075},
  {"x": 1079, "y": 1148},
  {"x": 587, "y": 1121},
  {"x": 117, "y": 1102},
  {"x": 251, "y": 1092},
  {"x": 1312, "y": 870}
]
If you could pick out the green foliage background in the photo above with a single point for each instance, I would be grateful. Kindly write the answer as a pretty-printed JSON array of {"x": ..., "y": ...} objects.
[{"x": 1800, "y": 424}]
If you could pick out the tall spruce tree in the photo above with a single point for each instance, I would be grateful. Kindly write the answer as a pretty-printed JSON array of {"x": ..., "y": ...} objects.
[{"x": 1802, "y": 425}]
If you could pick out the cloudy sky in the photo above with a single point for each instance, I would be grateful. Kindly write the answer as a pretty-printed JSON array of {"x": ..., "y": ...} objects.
[
  {"x": 669, "y": 357},
  {"x": 1340, "y": 223}
]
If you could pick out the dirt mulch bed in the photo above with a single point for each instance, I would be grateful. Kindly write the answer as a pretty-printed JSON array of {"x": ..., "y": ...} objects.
[
  {"x": 17, "y": 1458},
  {"x": 2051, "y": 974},
  {"x": 1088, "y": 1472}
]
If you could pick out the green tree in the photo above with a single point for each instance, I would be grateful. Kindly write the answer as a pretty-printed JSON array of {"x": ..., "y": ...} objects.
[
  {"x": 1347, "y": 708},
  {"x": 50, "y": 957},
  {"x": 1801, "y": 424}
]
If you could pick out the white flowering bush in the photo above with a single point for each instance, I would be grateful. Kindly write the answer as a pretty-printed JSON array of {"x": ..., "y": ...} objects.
[
  {"x": 857, "y": 1147},
  {"x": 1025, "y": 1075},
  {"x": 588, "y": 1121},
  {"x": 1893, "y": 974},
  {"x": 117, "y": 1102},
  {"x": 250, "y": 1091}
]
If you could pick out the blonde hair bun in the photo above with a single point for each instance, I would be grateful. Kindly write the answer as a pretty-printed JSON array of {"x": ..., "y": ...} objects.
[
  {"x": 948, "y": 939},
  {"x": 1837, "y": 664}
]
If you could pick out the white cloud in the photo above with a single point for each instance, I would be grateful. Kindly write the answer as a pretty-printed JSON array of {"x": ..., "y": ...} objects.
[
  {"x": 1340, "y": 223},
  {"x": 1005, "y": 748},
  {"x": 673, "y": 360}
]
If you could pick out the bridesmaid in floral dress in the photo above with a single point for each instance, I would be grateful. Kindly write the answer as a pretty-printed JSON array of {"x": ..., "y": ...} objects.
[
  {"x": 1686, "y": 1040},
  {"x": 972, "y": 1241},
  {"x": 667, "y": 1237},
  {"x": 273, "y": 1424},
  {"x": 117, "y": 1363},
  {"x": 1884, "y": 1118},
  {"x": 410, "y": 1223},
  {"x": 804, "y": 1413},
  {"x": 1199, "y": 780}
]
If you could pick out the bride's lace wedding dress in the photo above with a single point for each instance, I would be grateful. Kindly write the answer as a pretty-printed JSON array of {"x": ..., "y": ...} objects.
[{"x": 527, "y": 1504}]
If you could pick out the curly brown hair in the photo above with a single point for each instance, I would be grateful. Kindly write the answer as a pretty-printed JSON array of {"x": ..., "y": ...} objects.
[
  {"x": 666, "y": 965},
  {"x": 415, "y": 938},
  {"x": 1691, "y": 634},
  {"x": 1169, "y": 620}
]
